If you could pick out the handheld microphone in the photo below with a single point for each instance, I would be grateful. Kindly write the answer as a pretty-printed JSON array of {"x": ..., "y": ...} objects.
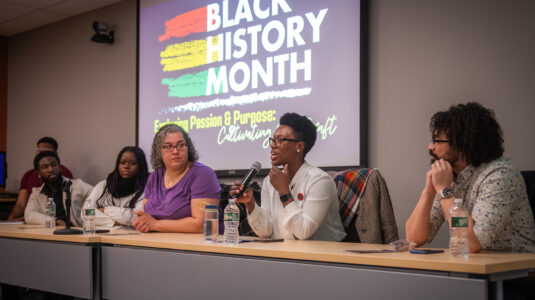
[{"x": 255, "y": 168}]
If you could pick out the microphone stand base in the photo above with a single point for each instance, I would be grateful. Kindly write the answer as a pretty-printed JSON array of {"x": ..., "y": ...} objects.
[{"x": 66, "y": 231}]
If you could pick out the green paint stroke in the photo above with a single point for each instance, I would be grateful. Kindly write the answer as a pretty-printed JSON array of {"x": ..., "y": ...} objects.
[{"x": 188, "y": 85}]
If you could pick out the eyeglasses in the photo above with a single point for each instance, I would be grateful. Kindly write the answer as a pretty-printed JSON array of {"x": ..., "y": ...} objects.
[
  {"x": 169, "y": 147},
  {"x": 278, "y": 141},
  {"x": 436, "y": 141}
]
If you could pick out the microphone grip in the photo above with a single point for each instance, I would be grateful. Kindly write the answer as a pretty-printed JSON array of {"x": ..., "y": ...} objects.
[
  {"x": 246, "y": 181},
  {"x": 66, "y": 185}
]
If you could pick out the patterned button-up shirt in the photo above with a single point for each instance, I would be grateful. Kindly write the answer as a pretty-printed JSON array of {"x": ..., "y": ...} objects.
[{"x": 495, "y": 196}]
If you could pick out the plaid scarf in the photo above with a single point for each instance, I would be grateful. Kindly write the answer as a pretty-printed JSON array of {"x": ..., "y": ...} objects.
[{"x": 350, "y": 184}]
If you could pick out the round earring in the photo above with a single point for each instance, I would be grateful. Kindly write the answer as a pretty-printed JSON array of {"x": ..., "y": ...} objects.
[{"x": 298, "y": 150}]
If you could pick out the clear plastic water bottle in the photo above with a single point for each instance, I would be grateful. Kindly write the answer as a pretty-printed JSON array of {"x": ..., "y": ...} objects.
[
  {"x": 89, "y": 218},
  {"x": 232, "y": 222},
  {"x": 50, "y": 212},
  {"x": 211, "y": 223},
  {"x": 458, "y": 229}
]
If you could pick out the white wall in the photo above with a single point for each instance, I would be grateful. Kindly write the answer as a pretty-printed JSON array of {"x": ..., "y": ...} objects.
[
  {"x": 427, "y": 55},
  {"x": 81, "y": 93},
  {"x": 424, "y": 56}
]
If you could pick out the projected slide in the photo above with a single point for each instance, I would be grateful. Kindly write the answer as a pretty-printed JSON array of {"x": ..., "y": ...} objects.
[{"x": 226, "y": 71}]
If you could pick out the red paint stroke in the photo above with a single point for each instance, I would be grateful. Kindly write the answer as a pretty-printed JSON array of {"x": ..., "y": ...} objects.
[{"x": 185, "y": 24}]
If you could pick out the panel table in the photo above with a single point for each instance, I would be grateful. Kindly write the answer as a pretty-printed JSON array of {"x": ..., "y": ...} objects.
[
  {"x": 32, "y": 256},
  {"x": 141, "y": 266}
]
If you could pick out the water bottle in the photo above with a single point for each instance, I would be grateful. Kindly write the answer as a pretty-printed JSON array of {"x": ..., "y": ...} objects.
[
  {"x": 50, "y": 212},
  {"x": 232, "y": 222},
  {"x": 89, "y": 218},
  {"x": 211, "y": 223},
  {"x": 458, "y": 229}
]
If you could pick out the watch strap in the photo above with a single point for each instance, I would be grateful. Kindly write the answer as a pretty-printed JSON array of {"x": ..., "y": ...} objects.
[{"x": 286, "y": 197}]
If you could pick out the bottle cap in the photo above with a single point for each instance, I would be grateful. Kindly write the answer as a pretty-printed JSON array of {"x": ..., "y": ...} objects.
[
  {"x": 458, "y": 200},
  {"x": 210, "y": 206}
]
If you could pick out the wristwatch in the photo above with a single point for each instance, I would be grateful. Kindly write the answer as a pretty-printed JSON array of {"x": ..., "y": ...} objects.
[
  {"x": 446, "y": 193},
  {"x": 286, "y": 197}
]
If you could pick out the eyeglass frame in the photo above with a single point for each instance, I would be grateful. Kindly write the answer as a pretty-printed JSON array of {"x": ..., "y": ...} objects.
[
  {"x": 435, "y": 141},
  {"x": 169, "y": 147},
  {"x": 278, "y": 141}
]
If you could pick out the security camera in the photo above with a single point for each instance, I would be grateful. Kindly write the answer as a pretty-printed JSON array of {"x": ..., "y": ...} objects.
[
  {"x": 100, "y": 26},
  {"x": 101, "y": 33}
]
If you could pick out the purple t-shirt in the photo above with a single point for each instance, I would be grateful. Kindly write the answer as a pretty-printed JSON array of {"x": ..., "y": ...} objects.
[{"x": 174, "y": 203}]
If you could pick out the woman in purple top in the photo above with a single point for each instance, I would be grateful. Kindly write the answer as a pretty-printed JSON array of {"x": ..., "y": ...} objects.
[{"x": 179, "y": 188}]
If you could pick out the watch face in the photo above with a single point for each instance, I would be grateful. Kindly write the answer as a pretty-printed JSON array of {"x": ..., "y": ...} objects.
[{"x": 446, "y": 193}]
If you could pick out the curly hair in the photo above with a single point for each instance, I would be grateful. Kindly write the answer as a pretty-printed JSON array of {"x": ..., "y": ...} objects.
[
  {"x": 303, "y": 128},
  {"x": 156, "y": 156},
  {"x": 140, "y": 180},
  {"x": 472, "y": 130}
]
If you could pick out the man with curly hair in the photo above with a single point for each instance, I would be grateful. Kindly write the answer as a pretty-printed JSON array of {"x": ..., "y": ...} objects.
[{"x": 466, "y": 162}]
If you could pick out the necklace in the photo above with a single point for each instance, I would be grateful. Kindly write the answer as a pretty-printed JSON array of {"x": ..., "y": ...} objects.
[{"x": 171, "y": 182}]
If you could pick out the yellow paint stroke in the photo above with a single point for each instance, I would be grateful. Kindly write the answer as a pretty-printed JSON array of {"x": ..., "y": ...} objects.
[{"x": 186, "y": 55}]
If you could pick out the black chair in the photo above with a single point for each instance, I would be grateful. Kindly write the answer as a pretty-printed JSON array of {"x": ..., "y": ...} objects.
[
  {"x": 529, "y": 178},
  {"x": 244, "y": 228},
  {"x": 523, "y": 288}
]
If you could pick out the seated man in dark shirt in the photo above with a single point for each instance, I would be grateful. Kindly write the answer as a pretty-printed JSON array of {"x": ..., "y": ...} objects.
[{"x": 31, "y": 179}]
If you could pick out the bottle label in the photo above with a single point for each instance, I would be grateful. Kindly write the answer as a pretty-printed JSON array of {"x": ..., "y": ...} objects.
[
  {"x": 459, "y": 222},
  {"x": 232, "y": 216},
  {"x": 89, "y": 211}
]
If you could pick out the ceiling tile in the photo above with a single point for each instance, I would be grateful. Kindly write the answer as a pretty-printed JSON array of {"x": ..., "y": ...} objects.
[
  {"x": 76, "y": 7},
  {"x": 39, "y": 4},
  {"x": 31, "y": 21},
  {"x": 10, "y": 11},
  {"x": 17, "y": 16}
]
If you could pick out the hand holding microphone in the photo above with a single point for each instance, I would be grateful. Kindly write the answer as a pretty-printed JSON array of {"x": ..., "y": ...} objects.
[
  {"x": 241, "y": 193},
  {"x": 240, "y": 190}
]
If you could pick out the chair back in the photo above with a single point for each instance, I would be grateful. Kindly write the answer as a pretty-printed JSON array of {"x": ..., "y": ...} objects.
[
  {"x": 529, "y": 178},
  {"x": 350, "y": 185},
  {"x": 244, "y": 228},
  {"x": 364, "y": 193}
]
